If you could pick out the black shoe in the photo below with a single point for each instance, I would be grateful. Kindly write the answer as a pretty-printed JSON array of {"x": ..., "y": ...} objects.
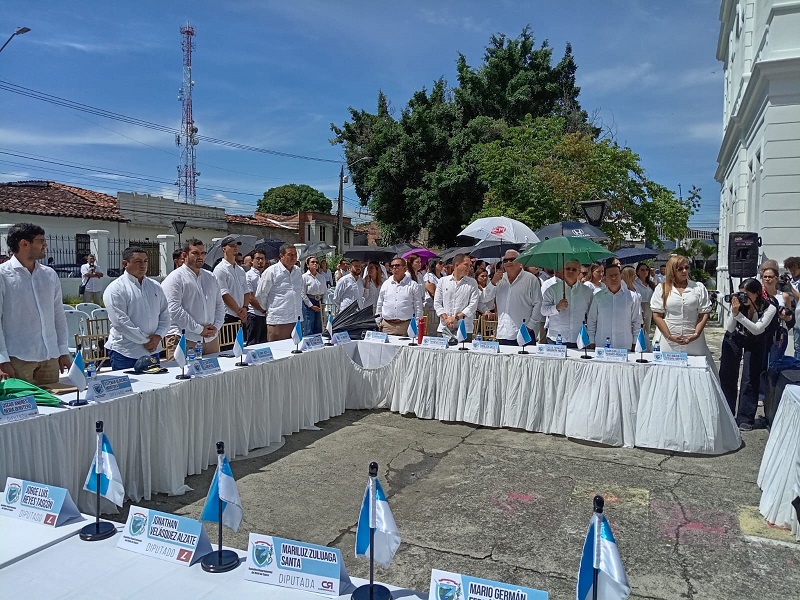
[{"x": 745, "y": 427}]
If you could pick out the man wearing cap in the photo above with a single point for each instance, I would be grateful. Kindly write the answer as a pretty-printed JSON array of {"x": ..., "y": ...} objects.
[
  {"x": 256, "y": 315},
  {"x": 137, "y": 312},
  {"x": 349, "y": 288},
  {"x": 280, "y": 292},
  {"x": 398, "y": 301},
  {"x": 194, "y": 301},
  {"x": 232, "y": 282}
]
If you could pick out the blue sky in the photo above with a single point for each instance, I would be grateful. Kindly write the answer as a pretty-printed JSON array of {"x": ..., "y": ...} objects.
[{"x": 275, "y": 74}]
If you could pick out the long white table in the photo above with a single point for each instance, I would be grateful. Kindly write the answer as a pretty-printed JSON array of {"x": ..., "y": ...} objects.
[
  {"x": 167, "y": 428},
  {"x": 20, "y": 539},
  {"x": 779, "y": 475}
]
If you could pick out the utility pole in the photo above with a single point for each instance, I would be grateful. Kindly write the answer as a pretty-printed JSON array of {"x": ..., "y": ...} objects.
[{"x": 340, "y": 213}]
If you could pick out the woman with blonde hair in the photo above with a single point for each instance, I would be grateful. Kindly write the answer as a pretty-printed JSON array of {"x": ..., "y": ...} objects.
[
  {"x": 372, "y": 283},
  {"x": 680, "y": 310},
  {"x": 628, "y": 275},
  {"x": 595, "y": 280},
  {"x": 645, "y": 285}
]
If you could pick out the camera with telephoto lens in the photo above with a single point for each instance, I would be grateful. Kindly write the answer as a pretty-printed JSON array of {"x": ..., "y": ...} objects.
[
  {"x": 785, "y": 311},
  {"x": 785, "y": 278},
  {"x": 743, "y": 299}
]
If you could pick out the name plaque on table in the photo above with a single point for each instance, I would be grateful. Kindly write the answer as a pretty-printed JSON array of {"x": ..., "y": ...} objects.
[
  {"x": 205, "y": 367},
  {"x": 296, "y": 565},
  {"x": 551, "y": 350},
  {"x": 611, "y": 354},
  {"x": 259, "y": 355},
  {"x": 485, "y": 347},
  {"x": 312, "y": 342},
  {"x": 164, "y": 536},
  {"x": 342, "y": 337},
  {"x": 46, "y": 505},
  {"x": 108, "y": 387},
  {"x": 438, "y": 343},
  {"x": 376, "y": 336},
  {"x": 674, "y": 359},
  {"x": 18, "y": 409},
  {"x": 446, "y": 585}
]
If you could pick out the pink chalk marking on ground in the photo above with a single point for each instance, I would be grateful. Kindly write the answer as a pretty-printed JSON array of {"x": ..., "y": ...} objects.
[{"x": 511, "y": 502}]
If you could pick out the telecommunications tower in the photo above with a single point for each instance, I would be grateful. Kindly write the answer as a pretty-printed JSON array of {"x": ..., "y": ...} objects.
[{"x": 187, "y": 138}]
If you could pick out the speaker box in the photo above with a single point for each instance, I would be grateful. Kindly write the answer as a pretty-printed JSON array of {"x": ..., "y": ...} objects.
[{"x": 743, "y": 253}]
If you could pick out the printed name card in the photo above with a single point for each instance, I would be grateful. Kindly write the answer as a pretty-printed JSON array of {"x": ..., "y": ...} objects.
[
  {"x": 611, "y": 354},
  {"x": 340, "y": 338},
  {"x": 675, "y": 359},
  {"x": 312, "y": 342},
  {"x": 108, "y": 387},
  {"x": 452, "y": 586},
  {"x": 297, "y": 565},
  {"x": 46, "y": 505},
  {"x": 485, "y": 347},
  {"x": 205, "y": 366},
  {"x": 18, "y": 409},
  {"x": 164, "y": 536},
  {"x": 377, "y": 336},
  {"x": 439, "y": 343},
  {"x": 259, "y": 355},
  {"x": 551, "y": 350}
]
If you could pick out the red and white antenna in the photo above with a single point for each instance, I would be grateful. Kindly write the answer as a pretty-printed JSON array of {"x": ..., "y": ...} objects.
[{"x": 187, "y": 138}]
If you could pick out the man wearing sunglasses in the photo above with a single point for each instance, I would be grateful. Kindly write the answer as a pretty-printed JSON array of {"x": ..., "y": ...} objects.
[
  {"x": 398, "y": 301},
  {"x": 519, "y": 298},
  {"x": 565, "y": 302}
]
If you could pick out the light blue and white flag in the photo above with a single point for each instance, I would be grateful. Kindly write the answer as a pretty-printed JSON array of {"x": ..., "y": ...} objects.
[
  {"x": 329, "y": 326},
  {"x": 600, "y": 552},
  {"x": 413, "y": 330},
  {"x": 523, "y": 335},
  {"x": 238, "y": 344},
  {"x": 105, "y": 463},
  {"x": 297, "y": 332},
  {"x": 461, "y": 332},
  {"x": 375, "y": 513},
  {"x": 77, "y": 372},
  {"x": 583, "y": 338},
  {"x": 180, "y": 351},
  {"x": 641, "y": 341},
  {"x": 223, "y": 487}
]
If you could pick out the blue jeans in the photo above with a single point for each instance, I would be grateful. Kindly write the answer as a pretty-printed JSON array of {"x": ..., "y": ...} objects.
[
  {"x": 120, "y": 362},
  {"x": 312, "y": 320}
]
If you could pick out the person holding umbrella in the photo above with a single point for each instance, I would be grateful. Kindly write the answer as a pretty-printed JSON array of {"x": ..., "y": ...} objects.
[
  {"x": 518, "y": 295},
  {"x": 566, "y": 302}
]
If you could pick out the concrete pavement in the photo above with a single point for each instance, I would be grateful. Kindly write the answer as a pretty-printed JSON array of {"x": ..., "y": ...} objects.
[{"x": 514, "y": 506}]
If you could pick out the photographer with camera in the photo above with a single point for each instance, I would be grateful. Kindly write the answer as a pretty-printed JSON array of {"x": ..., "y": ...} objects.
[
  {"x": 776, "y": 289},
  {"x": 746, "y": 335}
]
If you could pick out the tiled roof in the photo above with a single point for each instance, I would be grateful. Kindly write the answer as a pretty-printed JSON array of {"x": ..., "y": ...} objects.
[
  {"x": 265, "y": 220},
  {"x": 57, "y": 200}
]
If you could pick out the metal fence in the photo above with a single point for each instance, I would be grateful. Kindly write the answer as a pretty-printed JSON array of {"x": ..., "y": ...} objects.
[{"x": 66, "y": 253}]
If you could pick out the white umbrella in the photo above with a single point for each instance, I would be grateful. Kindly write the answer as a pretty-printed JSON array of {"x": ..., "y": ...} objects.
[{"x": 500, "y": 229}]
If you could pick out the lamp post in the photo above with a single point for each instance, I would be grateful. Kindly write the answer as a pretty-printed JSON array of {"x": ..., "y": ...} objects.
[
  {"x": 178, "y": 225},
  {"x": 340, "y": 208},
  {"x": 19, "y": 31},
  {"x": 594, "y": 211}
]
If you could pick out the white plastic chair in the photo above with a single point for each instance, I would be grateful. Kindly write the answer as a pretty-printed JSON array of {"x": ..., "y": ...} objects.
[
  {"x": 99, "y": 313},
  {"x": 86, "y": 307},
  {"x": 76, "y": 325},
  {"x": 68, "y": 307}
]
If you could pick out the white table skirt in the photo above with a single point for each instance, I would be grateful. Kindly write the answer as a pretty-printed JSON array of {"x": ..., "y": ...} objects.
[{"x": 779, "y": 475}]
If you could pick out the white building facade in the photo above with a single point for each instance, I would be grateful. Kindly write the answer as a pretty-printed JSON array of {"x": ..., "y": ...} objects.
[{"x": 759, "y": 158}]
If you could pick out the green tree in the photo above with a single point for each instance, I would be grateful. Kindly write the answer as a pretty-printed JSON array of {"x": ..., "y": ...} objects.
[{"x": 292, "y": 198}]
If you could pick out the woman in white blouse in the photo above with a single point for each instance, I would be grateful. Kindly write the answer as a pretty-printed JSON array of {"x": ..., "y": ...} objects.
[
  {"x": 680, "y": 310},
  {"x": 595, "y": 281},
  {"x": 431, "y": 278},
  {"x": 645, "y": 286},
  {"x": 372, "y": 283}
]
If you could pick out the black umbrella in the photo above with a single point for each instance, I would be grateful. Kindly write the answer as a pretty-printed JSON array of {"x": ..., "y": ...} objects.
[
  {"x": 355, "y": 320},
  {"x": 449, "y": 254},
  {"x": 270, "y": 247},
  {"x": 366, "y": 253},
  {"x": 317, "y": 248},
  {"x": 400, "y": 249},
  {"x": 492, "y": 249},
  {"x": 571, "y": 229},
  {"x": 628, "y": 256}
]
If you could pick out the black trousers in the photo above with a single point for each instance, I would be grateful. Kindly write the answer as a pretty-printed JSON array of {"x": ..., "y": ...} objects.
[
  {"x": 256, "y": 329},
  {"x": 750, "y": 353}
]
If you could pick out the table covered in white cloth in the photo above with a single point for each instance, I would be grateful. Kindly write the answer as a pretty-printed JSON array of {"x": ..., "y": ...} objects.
[{"x": 779, "y": 475}]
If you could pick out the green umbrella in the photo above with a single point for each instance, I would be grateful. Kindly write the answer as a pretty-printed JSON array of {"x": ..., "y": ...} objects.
[{"x": 553, "y": 253}]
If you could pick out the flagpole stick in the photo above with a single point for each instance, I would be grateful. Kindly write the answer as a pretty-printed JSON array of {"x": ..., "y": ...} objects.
[
  {"x": 372, "y": 591},
  {"x": 183, "y": 374},
  {"x": 98, "y": 530},
  {"x": 598, "y": 509},
  {"x": 641, "y": 358},
  {"x": 220, "y": 561}
]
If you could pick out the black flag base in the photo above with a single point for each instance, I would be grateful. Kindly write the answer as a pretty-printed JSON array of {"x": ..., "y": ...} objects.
[
  {"x": 241, "y": 363},
  {"x": 413, "y": 343},
  {"x": 585, "y": 354},
  {"x": 220, "y": 561},
  {"x": 523, "y": 351},
  {"x": 97, "y": 531},
  {"x": 372, "y": 591},
  {"x": 642, "y": 360},
  {"x": 297, "y": 351}
]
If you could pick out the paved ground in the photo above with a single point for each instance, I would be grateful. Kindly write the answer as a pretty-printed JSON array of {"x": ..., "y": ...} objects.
[{"x": 514, "y": 506}]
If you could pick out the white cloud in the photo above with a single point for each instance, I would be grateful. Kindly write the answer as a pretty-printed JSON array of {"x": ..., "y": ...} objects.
[
  {"x": 444, "y": 18},
  {"x": 613, "y": 79},
  {"x": 129, "y": 136},
  {"x": 15, "y": 175},
  {"x": 706, "y": 132}
]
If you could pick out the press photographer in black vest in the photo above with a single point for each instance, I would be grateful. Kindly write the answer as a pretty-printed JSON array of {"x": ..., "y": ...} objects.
[{"x": 747, "y": 333}]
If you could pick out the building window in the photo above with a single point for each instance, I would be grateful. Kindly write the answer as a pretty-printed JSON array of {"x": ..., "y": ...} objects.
[
  {"x": 322, "y": 233},
  {"x": 346, "y": 236},
  {"x": 308, "y": 232}
]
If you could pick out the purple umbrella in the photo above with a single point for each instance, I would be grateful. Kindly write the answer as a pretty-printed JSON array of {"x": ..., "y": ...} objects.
[{"x": 424, "y": 254}]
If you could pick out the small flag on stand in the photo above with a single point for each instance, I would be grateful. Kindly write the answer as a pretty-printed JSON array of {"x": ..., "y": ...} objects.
[
  {"x": 77, "y": 372},
  {"x": 601, "y": 558},
  {"x": 523, "y": 337},
  {"x": 413, "y": 331},
  {"x": 180, "y": 351},
  {"x": 641, "y": 341},
  {"x": 329, "y": 326},
  {"x": 583, "y": 338},
  {"x": 223, "y": 487},
  {"x": 461, "y": 333},
  {"x": 238, "y": 348},
  {"x": 376, "y": 514},
  {"x": 105, "y": 465},
  {"x": 297, "y": 332}
]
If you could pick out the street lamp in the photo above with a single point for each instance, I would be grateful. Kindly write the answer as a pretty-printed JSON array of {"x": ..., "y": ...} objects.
[
  {"x": 594, "y": 211},
  {"x": 178, "y": 225},
  {"x": 19, "y": 31}
]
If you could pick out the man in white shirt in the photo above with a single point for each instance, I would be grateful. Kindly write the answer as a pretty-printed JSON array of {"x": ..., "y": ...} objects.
[
  {"x": 661, "y": 276},
  {"x": 314, "y": 288},
  {"x": 137, "y": 312},
  {"x": 349, "y": 288},
  {"x": 33, "y": 328},
  {"x": 615, "y": 314},
  {"x": 565, "y": 302},
  {"x": 90, "y": 278},
  {"x": 518, "y": 296},
  {"x": 456, "y": 298},
  {"x": 256, "y": 328},
  {"x": 194, "y": 301},
  {"x": 280, "y": 292},
  {"x": 341, "y": 270},
  {"x": 232, "y": 282},
  {"x": 398, "y": 300}
]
